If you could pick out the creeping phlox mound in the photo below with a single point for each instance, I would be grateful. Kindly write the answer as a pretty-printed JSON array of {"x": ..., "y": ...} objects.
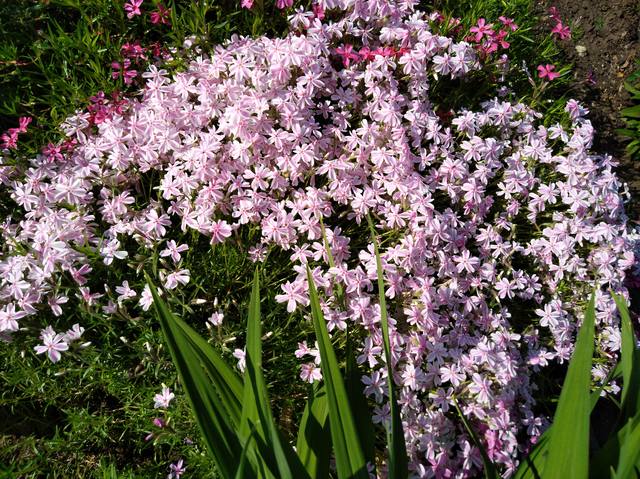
[{"x": 495, "y": 228}]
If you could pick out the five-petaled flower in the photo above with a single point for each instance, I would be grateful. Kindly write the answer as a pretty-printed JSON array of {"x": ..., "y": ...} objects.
[
  {"x": 547, "y": 71},
  {"x": 52, "y": 344},
  {"x": 162, "y": 400}
]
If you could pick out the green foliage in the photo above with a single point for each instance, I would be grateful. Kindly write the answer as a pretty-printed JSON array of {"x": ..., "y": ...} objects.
[
  {"x": 631, "y": 115},
  {"x": 395, "y": 437},
  {"x": 240, "y": 431}
]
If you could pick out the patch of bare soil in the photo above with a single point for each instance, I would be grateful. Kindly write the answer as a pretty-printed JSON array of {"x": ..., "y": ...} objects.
[{"x": 604, "y": 47}]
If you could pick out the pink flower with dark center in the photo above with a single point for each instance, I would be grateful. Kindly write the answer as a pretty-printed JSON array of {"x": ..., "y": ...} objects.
[
  {"x": 282, "y": 4},
  {"x": 347, "y": 54},
  {"x": 547, "y": 71},
  {"x": 482, "y": 29},
  {"x": 161, "y": 15},
  {"x": 310, "y": 373},
  {"x": 132, "y": 7},
  {"x": 508, "y": 23},
  {"x": 561, "y": 31}
]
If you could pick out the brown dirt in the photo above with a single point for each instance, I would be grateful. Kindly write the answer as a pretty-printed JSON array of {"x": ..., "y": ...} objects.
[{"x": 609, "y": 30}]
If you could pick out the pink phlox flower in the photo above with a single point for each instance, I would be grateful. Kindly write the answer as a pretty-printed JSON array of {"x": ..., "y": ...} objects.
[
  {"x": 547, "y": 71},
  {"x": 133, "y": 51},
  {"x": 53, "y": 152},
  {"x": 282, "y": 4},
  {"x": 132, "y": 7},
  {"x": 347, "y": 53},
  {"x": 86, "y": 295},
  {"x": 177, "y": 470},
  {"x": 10, "y": 140},
  {"x": 55, "y": 302},
  {"x": 241, "y": 356},
  {"x": 161, "y": 15},
  {"x": 174, "y": 250},
  {"x": 561, "y": 31},
  {"x": 74, "y": 334},
  {"x": 125, "y": 292},
  {"x": 177, "y": 277},
  {"x": 318, "y": 11},
  {"x": 246, "y": 4},
  {"x": 9, "y": 317},
  {"x": 162, "y": 400},
  {"x": 293, "y": 295},
  {"x": 220, "y": 230},
  {"x": 554, "y": 14},
  {"x": 23, "y": 122},
  {"x": 216, "y": 318},
  {"x": 508, "y": 23},
  {"x": 481, "y": 29},
  {"x": 310, "y": 373},
  {"x": 52, "y": 344}
]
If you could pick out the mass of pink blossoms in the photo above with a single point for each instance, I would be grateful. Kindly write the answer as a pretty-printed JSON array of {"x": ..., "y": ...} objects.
[{"x": 495, "y": 228}]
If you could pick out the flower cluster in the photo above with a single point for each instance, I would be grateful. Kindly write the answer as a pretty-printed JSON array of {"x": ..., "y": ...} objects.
[
  {"x": 55, "y": 343},
  {"x": 10, "y": 137},
  {"x": 494, "y": 227}
]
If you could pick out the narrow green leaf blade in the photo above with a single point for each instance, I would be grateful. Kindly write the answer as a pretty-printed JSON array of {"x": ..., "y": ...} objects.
[
  {"x": 490, "y": 471},
  {"x": 398, "y": 462},
  {"x": 568, "y": 454},
  {"x": 629, "y": 451},
  {"x": 350, "y": 460},
  {"x": 215, "y": 425},
  {"x": 314, "y": 438},
  {"x": 256, "y": 412},
  {"x": 629, "y": 361},
  {"x": 358, "y": 401}
]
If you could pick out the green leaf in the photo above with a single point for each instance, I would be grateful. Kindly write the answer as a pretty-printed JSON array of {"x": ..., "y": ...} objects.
[
  {"x": 204, "y": 391},
  {"x": 632, "y": 112},
  {"x": 490, "y": 471},
  {"x": 568, "y": 454},
  {"x": 314, "y": 438},
  {"x": 349, "y": 455},
  {"x": 398, "y": 464},
  {"x": 358, "y": 401},
  {"x": 629, "y": 451},
  {"x": 256, "y": 412},
  {"x": 629, "y": 361}
]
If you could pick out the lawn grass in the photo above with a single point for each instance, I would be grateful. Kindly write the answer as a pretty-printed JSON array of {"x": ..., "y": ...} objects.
[{"x": 88, "y": 415}]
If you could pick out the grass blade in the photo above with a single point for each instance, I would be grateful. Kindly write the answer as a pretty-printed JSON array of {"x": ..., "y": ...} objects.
[
  {"x": 398, "y": 464},
  {"x": 350, "y": 460},
  {"x": 568, "y": 454}
]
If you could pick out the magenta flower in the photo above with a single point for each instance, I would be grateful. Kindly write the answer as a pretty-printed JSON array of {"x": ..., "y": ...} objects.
[
  {"x": 547, "y": 71},
  {"x": 246, "y": 4},
  {"x": 482, "y": 29},
  {"x": 161, "y": 15},
  {"x": 508, "y": 23},
  {"x": 561, "y": 31},
  {"x": 347, "y": 54},
  {"x": 176, "y": 470},
  {"x": 282, "y": 4},
  {"x": 132, "y": 7}
]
